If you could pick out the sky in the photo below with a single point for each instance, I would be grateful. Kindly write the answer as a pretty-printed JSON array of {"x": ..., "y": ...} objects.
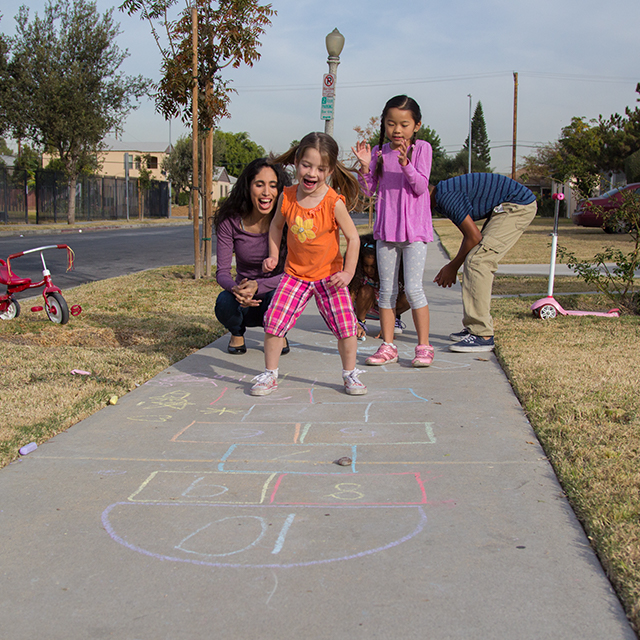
[{"x": 573, "y": 58}]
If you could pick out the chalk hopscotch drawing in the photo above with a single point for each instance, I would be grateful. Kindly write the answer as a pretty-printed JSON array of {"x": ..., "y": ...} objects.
[{"x": 274, "y": 499}]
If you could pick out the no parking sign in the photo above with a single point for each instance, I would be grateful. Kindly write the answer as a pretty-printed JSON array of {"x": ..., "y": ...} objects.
[{"x": 328, "y": 96}]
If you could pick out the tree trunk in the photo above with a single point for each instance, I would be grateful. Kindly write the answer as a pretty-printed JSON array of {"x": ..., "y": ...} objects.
[{"x": 71, "y": 209}]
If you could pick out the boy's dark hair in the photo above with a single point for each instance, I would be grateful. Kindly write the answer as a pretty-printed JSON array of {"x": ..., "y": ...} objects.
[{"x": 405, "y": 103}]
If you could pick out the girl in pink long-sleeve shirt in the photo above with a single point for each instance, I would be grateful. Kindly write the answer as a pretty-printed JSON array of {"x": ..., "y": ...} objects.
[{"x": 399, "y": 171}]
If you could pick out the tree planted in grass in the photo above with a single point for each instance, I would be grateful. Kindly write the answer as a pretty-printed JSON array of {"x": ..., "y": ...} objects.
[
  {"x": 64, "y": 90},
  {"x": 617, "y": 282}
]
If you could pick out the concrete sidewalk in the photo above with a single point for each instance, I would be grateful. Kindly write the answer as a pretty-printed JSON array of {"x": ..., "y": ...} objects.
[{"x": 192, "y": 510}]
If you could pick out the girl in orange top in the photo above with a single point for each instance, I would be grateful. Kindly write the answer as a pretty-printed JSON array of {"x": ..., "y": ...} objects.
[{"x": 314, "y": 213}]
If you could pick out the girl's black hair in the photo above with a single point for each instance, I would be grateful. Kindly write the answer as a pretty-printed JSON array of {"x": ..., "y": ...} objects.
[
  {"x": 238, "y": 202},
  {"x": 367, "y": 248},
  {"x": 405, "y": 103}
]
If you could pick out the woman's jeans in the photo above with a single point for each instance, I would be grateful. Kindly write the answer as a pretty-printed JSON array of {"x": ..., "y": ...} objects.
[{"x": 237, "y": 318}]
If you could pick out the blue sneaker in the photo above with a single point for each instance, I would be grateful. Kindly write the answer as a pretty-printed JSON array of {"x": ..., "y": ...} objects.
[
  {"x": 459, "y": 335},
  {"x": 473, "y": 343}
]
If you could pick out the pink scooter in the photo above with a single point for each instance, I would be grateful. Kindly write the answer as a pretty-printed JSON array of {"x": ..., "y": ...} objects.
[{"x": 549, "y": 307}]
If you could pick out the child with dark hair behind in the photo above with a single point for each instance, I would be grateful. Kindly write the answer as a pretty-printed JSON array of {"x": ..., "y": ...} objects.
[{"x": 365, "y": 289}]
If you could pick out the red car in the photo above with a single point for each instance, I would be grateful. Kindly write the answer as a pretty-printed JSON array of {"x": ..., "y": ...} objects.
[{"x": 586, "y": 217}]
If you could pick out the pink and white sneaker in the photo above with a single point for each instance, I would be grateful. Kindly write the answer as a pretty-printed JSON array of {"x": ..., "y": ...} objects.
[
  {"x": 265, "y": 383},
  {"x": 424, "y": 356},
  {"x": 386, "y": 354}
]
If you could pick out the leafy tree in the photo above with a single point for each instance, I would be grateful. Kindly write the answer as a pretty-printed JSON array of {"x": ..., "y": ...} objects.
[
  {"x": 236, "y": 151},
  {"x": 178, "y": 165},
  {"x": 4, "y": 148},
  {"x": 479, "y": 141},
  {"x": 66, "y": 91},
  {"x": 228, "y": 32},
  {"x": 4, "y": 74},
  {"x": 439, "y": 158}
]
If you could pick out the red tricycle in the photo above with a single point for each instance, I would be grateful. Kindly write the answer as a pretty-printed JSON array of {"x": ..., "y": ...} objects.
[{"x": 54, "y": 304}]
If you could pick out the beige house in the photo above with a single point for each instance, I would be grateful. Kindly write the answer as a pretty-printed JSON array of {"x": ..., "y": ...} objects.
[{"x": 112, "y": 161}]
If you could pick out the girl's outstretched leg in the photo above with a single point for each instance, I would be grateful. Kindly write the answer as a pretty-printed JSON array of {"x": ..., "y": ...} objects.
[
  {"x": 267, "y": 381},
  {"x": 348, "y": 348}
]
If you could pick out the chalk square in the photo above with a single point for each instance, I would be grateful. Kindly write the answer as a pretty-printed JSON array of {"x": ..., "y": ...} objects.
[
  {"x": 202, "y": 487},
  {"x": 352, "y": 489},
  {"x": 285, "y": 458}
]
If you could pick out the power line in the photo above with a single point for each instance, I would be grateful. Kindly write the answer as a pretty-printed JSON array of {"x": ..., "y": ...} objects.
[{"x": 278, "y": 88}]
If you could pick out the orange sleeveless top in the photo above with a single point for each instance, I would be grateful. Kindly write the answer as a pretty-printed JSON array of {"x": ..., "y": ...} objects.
[{"x": 313, "y": 238}]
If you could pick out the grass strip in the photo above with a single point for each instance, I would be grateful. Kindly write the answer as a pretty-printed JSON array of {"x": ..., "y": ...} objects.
[
  {"x": 578, "y": 379},
  {"x": 130, "y": 329}
]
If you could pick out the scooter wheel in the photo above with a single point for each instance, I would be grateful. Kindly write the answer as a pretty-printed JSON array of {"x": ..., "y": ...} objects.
[
  {"x": 12, "y": 311},
  {"x": 57, "y": 308},
  {"x": 547, "y": 312}
]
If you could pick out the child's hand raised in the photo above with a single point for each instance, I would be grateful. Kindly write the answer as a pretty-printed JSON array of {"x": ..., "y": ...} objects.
[
  {"x": 362, "y": 151},
  {"x": 403, "y": 149},
  {"x": 269, "y": 264}
]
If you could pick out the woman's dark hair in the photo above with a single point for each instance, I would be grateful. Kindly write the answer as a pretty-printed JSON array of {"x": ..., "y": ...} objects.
[
  {"x": 404, "y": 103},
  {"x": 238, "y": 202}
]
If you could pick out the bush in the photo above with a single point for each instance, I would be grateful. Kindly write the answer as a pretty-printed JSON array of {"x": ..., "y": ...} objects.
[{"x": 617, "y": 282}]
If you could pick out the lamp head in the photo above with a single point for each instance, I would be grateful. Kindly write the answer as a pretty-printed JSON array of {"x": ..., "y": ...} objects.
[{"x": 335, "y": 43}]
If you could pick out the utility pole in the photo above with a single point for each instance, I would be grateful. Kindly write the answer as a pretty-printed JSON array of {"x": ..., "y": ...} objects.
[
  {"x": 197, "y": 266},
  {"x": 515, "y": 124},
  {"x": 469, "y": 171}
]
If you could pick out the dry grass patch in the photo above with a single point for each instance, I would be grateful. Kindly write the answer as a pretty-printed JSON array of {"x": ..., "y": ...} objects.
[
  {"x": 534, "y": 247},
  {"x": 578, "y": 380},
  {"x": 130, "y": 329}
]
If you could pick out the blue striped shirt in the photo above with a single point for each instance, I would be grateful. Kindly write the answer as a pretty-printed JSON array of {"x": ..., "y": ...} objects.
[{"x": 476, "y": 195}]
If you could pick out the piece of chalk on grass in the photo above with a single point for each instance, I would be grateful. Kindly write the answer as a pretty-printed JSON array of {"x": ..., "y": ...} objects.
[
  {"x": 28, "y": 448},
  {"x": 113, "y": 399},
  {"x": 80, "y": 372}
]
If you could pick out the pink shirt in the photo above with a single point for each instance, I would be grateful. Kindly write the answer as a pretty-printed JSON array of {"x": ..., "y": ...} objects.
[{"x": 404, "y": 206}]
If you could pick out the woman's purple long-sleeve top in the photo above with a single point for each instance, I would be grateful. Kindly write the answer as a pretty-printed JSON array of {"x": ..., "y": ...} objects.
[
  {"x": 404, "y": 205},
  {"x": 250, "y": 249}
]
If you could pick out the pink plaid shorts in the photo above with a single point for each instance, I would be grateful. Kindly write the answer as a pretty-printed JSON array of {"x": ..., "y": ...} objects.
[{"x": 293, "y": 295}]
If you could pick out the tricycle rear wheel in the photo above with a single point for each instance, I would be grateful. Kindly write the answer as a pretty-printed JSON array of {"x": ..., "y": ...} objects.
[
  {"x": 12, "y": 311},
  {"x": 57, "y": 308}
]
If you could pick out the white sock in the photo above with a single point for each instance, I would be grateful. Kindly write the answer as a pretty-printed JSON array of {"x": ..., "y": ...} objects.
[{"x": 273, "y": 372}]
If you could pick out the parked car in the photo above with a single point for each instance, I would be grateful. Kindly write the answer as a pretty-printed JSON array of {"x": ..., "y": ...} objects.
[{"x": 585, "y": 216}]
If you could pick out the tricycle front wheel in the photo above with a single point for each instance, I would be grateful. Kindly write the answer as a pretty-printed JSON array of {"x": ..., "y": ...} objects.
[
  {"x": 12, "y": 310},
  {"x": 57, "y": 308}
]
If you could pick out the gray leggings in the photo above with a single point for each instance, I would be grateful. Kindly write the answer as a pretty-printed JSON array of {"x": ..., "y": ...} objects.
[{"x": 414, "y": 256}]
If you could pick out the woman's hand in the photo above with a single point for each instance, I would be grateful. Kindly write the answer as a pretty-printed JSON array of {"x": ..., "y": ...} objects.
[
  {"x": 244, "y": 292},
  {"x": 362, "y": 152}
]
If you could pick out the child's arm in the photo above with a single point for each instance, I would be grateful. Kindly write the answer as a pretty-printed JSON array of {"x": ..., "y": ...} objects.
[
  {"x": 471, "y": 237},
  {"x": 368, "y": 159},
  {"x": 345, "y": 223},
  {"x": 275, "y": 238}
]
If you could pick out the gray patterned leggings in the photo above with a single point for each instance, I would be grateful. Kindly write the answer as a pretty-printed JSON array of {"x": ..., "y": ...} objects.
[{"x": 414, "y": 256}]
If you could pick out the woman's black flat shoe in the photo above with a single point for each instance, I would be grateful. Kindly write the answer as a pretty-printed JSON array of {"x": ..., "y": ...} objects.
[
  {"x": 236, "y": 351},
  {"x": 286, "y": 347}
]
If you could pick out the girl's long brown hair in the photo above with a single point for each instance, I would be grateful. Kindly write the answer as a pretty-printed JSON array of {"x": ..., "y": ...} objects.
[{"x": 342, "y": 180}]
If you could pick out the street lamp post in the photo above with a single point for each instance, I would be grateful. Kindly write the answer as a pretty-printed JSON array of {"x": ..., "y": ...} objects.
[{"x": 335, "y": 43}]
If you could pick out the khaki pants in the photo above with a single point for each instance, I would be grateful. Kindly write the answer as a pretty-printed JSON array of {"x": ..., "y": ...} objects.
[{"x": 500, "y": 233}]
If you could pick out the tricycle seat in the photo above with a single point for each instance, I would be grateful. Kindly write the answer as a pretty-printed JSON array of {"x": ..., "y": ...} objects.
[{"x": 9, "y": 278}]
